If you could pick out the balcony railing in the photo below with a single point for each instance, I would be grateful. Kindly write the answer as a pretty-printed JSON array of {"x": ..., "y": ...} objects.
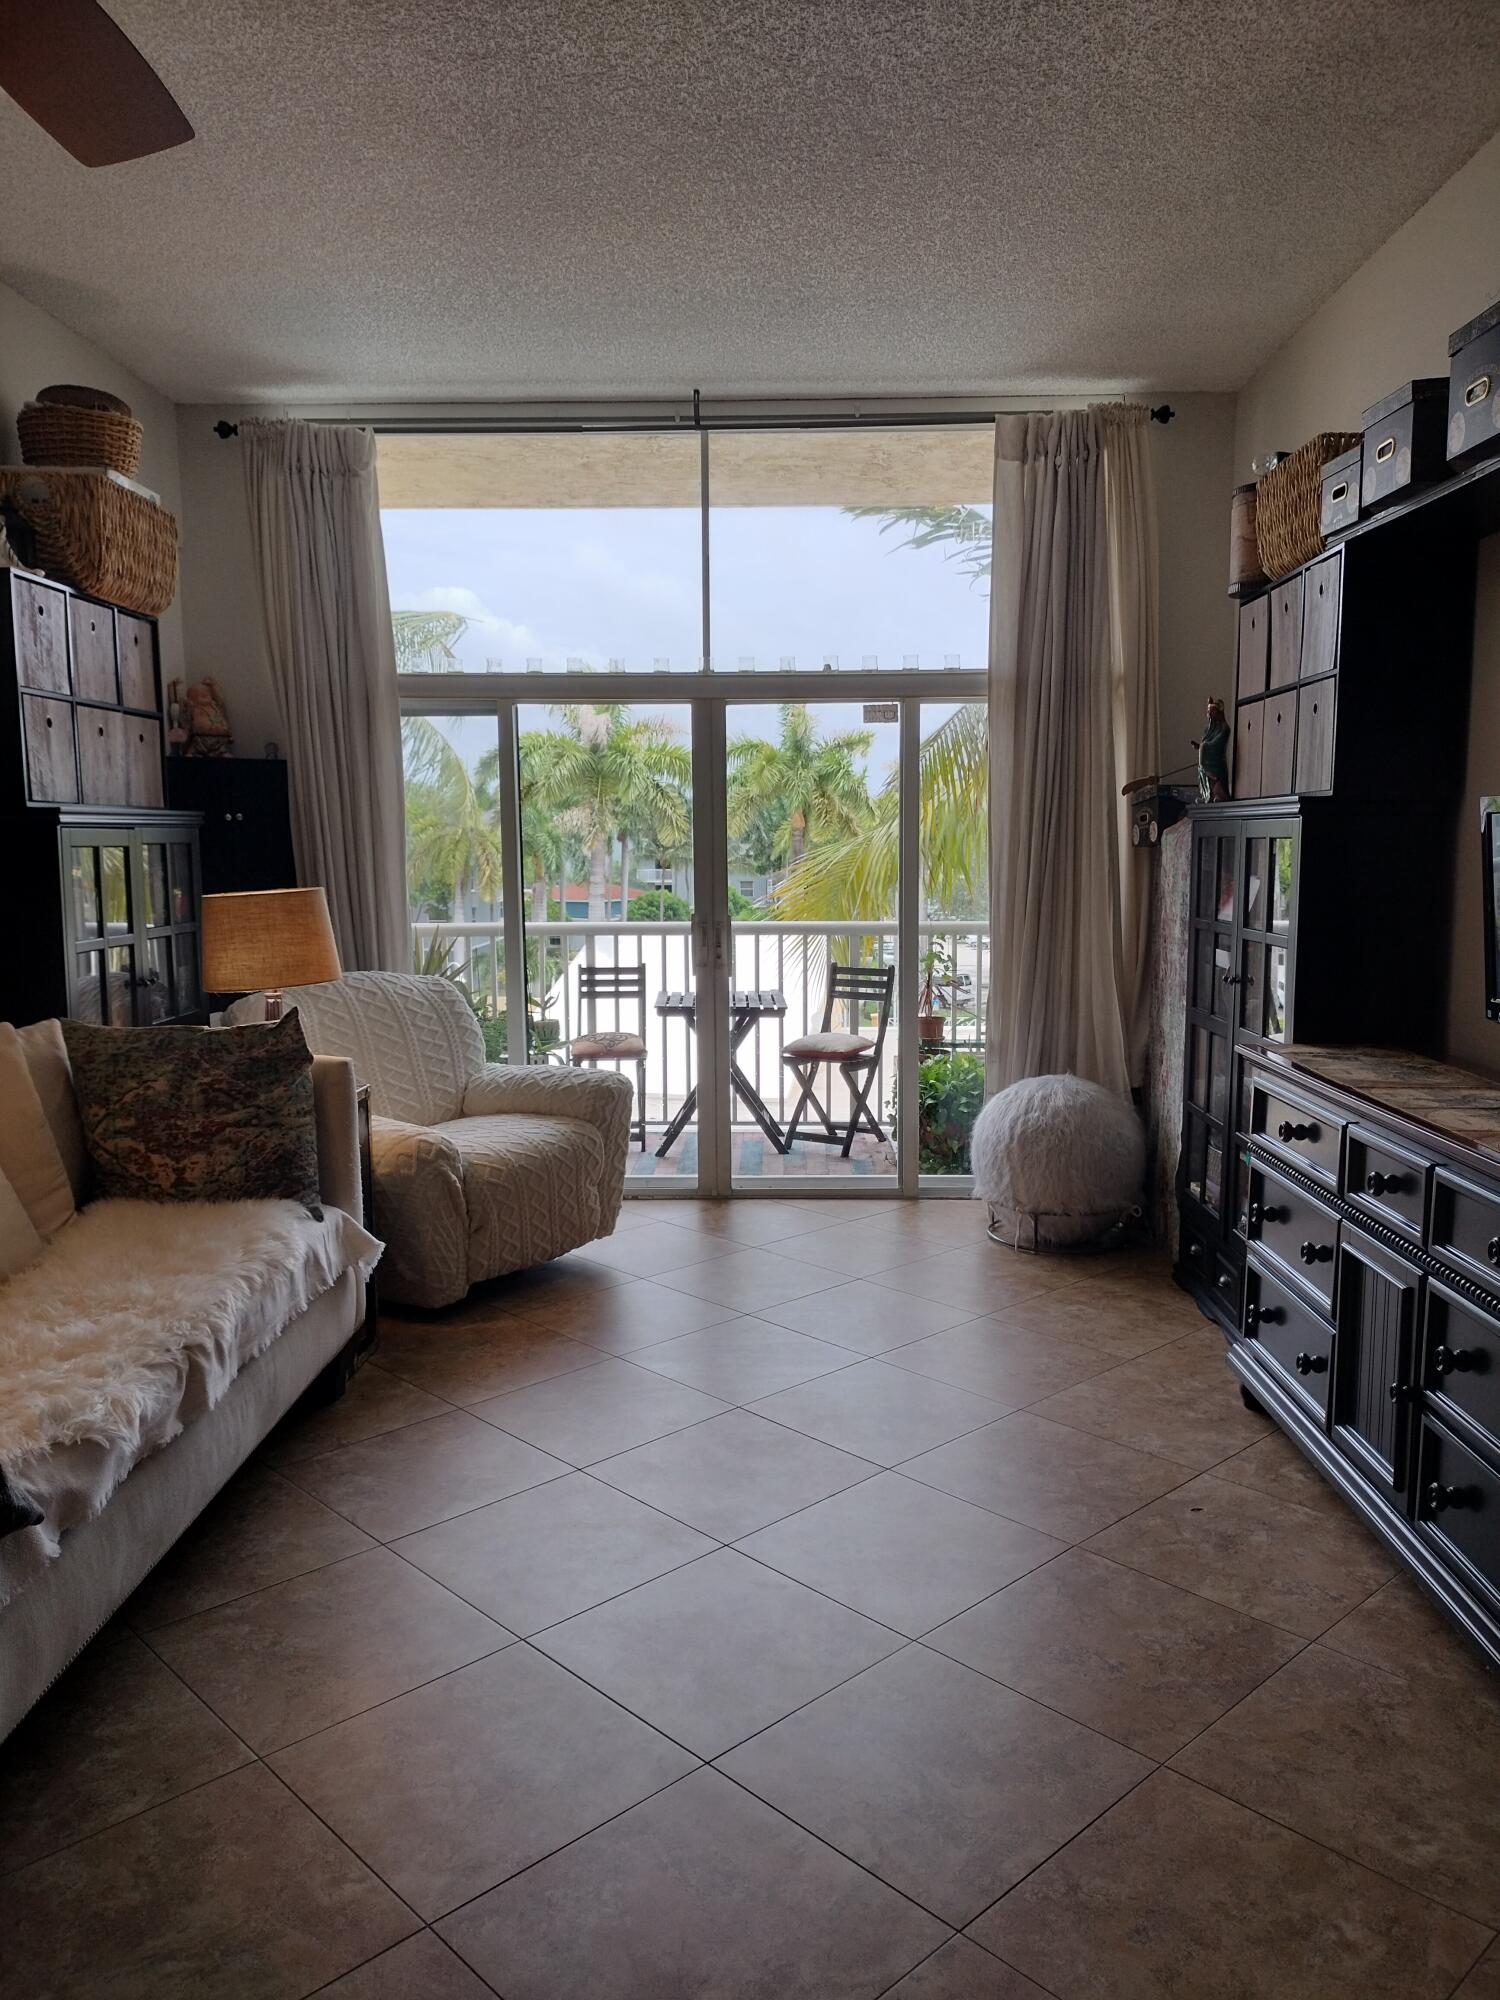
[{"x": 789, "y": 957}]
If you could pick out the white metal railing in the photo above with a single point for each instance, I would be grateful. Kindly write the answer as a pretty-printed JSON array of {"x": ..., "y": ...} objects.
[{"x": 790, "y": 957}]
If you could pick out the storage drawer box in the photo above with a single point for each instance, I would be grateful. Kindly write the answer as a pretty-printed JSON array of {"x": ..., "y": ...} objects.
[
  {"x": 93, "y": 631},
  {"x": 1458, "y": 1508},
  {"x": 51, "y": 767},
  {"x": 1461, "y": 1360},
  {"x": 1386, "y": 1182},
  {"x": 1294, "y": 1342},
  {"x": 41, "y": 629},
  {"x": 1278, "y": 745},
  {"x": 1474, "y": 386},
  {"x": 1320, "y": 618},
  {"x": 1286, "y": 632},
  {"x": 1466, "y": 1226},
  {"x": 137, "y": 661},
  {"x": 1406, "y": 437},
  {"x": 1254, "y": 648},
  {"x": 1295, "y": 1231},
  {"x": 1339, "y": 506},
  {"x": 1307, "y": 1135},
  {"x": 1315, "y": 713},
  {"x": 1249, "y": 738}
]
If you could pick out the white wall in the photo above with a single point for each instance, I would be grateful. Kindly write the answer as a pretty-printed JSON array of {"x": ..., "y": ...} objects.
[
  {"x": 36, "y": 350},
  {"x": 1389, "y": 323}
]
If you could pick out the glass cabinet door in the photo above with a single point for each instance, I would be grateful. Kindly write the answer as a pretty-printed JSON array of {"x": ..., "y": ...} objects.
[{"x": 131, "y": 921}]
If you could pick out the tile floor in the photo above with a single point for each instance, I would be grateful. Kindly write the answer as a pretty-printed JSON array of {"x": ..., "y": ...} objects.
[{"x": 779, "y": 1599}]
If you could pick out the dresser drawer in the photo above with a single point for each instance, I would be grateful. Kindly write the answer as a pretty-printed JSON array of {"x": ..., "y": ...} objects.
[
  {"x": 1466, "y": 1226},
  {"x": 1458, "y": 1508},
  {"x": 1300, "y": 1130},
  {"x": 1294, "y": 1230},
  {"x": 1386, "y": 1182},
  {"x": 1294, "y": 1342},
  {"x": 1461, "y": 1360}
]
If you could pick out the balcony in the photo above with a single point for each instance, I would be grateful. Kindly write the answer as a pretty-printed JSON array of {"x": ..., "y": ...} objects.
[{"x": 784, "y": 956}]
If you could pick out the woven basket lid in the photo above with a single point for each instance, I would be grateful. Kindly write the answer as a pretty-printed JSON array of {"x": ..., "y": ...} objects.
[{"x": 74, "y": 396}]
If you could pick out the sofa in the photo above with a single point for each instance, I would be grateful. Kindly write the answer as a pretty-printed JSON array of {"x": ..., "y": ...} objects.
[
  {"x": 146, "y": 1348},
  {"x": 478, "y": 1168}
]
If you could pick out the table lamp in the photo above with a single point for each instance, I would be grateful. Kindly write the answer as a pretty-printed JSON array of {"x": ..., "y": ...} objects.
[{"x": 270, "y": 938}]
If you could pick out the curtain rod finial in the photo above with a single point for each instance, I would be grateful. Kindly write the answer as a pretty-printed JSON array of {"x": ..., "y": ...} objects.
[
  {"x": 1163, "y": 413},
  {"x": 226, "y": 430}
]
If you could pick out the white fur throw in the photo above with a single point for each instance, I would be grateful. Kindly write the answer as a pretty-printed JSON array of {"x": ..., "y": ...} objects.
[
  {"x": 140, "y": 1314},
  {"x": 1058, "y": 1160}
]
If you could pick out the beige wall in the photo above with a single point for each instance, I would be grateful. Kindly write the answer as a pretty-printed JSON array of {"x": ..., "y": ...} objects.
[
  {"x": 1388, "y": 323},
  {"x": 36, "y": 349}
]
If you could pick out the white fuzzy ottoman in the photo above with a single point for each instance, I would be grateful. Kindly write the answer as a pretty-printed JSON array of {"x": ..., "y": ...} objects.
[{"x": 1058, "y": 1160}]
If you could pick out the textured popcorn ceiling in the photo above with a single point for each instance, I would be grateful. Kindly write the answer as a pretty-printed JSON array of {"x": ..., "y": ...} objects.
[{"x": 467, "y": 199}]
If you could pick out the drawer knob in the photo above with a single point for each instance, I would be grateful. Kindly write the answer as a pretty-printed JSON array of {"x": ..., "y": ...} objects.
[
  {"x": 1290, "y": 1134},
  {"x": 1378, "y": 1183},
  {"x": 1440, "y": 1498},
  {"x": 1446, "y": 1359},
  {"x": 1257, "y": 1315},
  {"x": 1316, "y": 1253},
  {"x": 1492, "y": 1249},
  {"x": 1311, "y": 1364},
  {"x": 1399, "y": 1392},
  {"x": 1266, "y": 1211}
]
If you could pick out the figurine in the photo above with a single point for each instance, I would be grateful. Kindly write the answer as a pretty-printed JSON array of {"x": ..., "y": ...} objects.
[
  {"x": 1213, "y": 754},
  {"x": 200, "y": 724}
]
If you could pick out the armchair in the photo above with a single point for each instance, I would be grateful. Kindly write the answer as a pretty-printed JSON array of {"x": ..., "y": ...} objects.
[{"x": 478, "y": 1168}]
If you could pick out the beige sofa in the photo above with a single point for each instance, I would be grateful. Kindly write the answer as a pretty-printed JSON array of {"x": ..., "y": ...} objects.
[
  {"x": 479, "y": 1169},
  {"x": 113, "y": 1501}
]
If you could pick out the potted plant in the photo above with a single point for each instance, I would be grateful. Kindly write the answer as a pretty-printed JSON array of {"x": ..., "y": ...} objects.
[{"x": 936, "y": 994}]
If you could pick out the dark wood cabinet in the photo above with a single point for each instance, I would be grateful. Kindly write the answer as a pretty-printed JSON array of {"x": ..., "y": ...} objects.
[
  {"x": 247, "y": 830},
  {"x": 1377, "y": 1319},
  {"x": 110, "y": 881}
]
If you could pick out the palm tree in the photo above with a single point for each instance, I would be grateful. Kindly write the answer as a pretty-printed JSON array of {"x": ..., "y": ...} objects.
[
  {"x": 608, "y": 777},
  {"x": 802, "y": 785},
  {"x": 425, "y": 640},
  {"x": 452, "y": 829},
  {"x": 967, "y": 531}
]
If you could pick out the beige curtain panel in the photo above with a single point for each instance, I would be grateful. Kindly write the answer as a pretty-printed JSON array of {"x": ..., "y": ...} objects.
[
  {"x": 1073, "y": 715},
  {"x": 315, "y": 519}
]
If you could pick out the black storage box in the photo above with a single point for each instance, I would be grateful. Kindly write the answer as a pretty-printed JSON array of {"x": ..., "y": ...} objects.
[
  {"x": 1474, "y": 387},
  {"x": 1338, "y": 507},
  {"x": 1405, "y": 446}
]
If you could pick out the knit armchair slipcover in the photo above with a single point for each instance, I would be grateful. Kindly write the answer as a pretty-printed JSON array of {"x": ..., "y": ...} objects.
[{"x": 479, "y": 1169}]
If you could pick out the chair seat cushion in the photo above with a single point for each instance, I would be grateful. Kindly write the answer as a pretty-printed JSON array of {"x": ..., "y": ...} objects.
[
  {"x": 531, "y": 1188},
  {"x": 606, "y": 1042},
  {"x": 832, "y": 1045}
]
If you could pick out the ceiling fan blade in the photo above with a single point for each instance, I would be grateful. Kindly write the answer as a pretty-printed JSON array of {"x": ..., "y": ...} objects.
[{"x": 79, "y": 75}]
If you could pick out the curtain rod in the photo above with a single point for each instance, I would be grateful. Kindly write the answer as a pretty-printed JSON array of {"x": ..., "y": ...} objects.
[{"x": 1162, "y": 413}]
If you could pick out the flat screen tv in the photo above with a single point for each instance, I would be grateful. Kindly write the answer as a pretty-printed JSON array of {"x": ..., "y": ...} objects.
[{"x": 1489, "y": 818}]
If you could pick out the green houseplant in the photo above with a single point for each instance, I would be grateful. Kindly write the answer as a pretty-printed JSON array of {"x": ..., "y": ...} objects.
[{"x": 950, "y": 1091}]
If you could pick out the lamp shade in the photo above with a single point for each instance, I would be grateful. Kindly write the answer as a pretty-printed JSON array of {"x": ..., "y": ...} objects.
[{"x": 267, "y": 937}]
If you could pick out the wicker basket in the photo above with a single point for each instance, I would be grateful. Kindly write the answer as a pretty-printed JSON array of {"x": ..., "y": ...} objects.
[
  {"x": 60, "y": 434},
  {"x": 97, "y": 535},
  {"x": 1288, "y": 503}
]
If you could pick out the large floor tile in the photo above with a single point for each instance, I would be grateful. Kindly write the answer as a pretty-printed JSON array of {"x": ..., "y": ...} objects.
[
  {"x": 655, "y": 1247},
  {"x": 1176, "y": 1892},
  {"x": 718, "y": 1649},
  {"x": 983, "y": 1278},
  {"x": 1354, "y": 1757},
  {"x": 856, "y": 1248},
  {"x": 295, "y": 1658},
  {"x": 741, "y": 1222},
  {"x": 553, "y": 1551},
  {"x": 462, "y": 1783},
  {"x": 1120, "y": 1320},
  {"x": 879, "y": 1412},
  {"x": 570, "y": 1277},
  {"x": 260, "y": 1530},
  {"x": 599, "y": 1411},
  {"x": 700, "y": 1891},
  {"x": 420, "y": 1968},
  {"x": 1401, "y": 1629},
  {"x": 749, "y": 1280},
  {"x": 1274, "y": 1465},
  {"x": 946, "y": 1785},
  {"x": 868, "y": 1318},
  {"x": 1483, "y": 1983},
  {"x": 959, "y": 1970},
  {"x": 1178, "y": 1401},
  {"x": 1277, "y": 1562},
  {"x": 733, "y": 1474},
  {"x": 234, "y": 1888},
  {"x": 1137, "y": 1659},
  {"x": 470, "y": 1359},
  {"x": 118, "y": 1733},
  {"x": 1067, "y": 1483},
  {"x": 407, "y": 1479},
  {"x": 900, "y": 1552},
  {"x": 1009, "y": 1364},
  {"x": 626, "y": 1317},
  {"x": 375, "y": 1401},
  {"x": 743, "y": 1359}
]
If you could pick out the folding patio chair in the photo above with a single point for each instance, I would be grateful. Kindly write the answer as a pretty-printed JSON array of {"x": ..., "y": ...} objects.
[
  {"x": 854, "y": 1052},
  {"x": 616, "y": 1046}
]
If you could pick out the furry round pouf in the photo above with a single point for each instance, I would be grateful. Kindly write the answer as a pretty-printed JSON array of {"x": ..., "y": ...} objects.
[{"x": 1059, "y": 1161}]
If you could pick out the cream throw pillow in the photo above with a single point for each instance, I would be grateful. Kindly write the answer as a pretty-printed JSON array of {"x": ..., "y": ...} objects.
[
  {"x": 19, "y": 1243},
  {"x": 47, "y": 1059},
  {"x": 29, "y": 1158}
]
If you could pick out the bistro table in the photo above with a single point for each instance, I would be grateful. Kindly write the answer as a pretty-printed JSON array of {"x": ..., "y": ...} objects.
[{"x": 746, "y": 1008}]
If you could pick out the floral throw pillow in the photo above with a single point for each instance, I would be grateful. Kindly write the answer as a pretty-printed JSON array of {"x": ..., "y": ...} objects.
[{"x": 198, "y": 1114}]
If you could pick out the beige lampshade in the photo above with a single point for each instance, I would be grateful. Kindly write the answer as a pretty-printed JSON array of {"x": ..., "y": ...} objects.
[{"x": 267, "y": 937}]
